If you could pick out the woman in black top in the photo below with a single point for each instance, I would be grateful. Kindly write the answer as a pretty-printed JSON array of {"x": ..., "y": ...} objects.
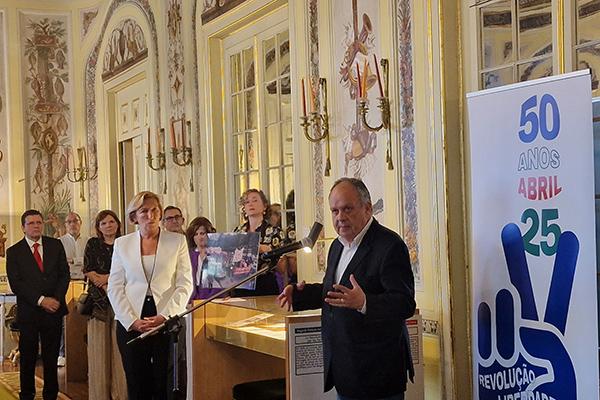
[
  {"x": 105, "y": 370},
  {"x": 255, "y": 207}
]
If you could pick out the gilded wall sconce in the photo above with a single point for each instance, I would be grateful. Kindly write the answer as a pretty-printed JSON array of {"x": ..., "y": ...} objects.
[
  {"x": 82, "y": 172},
  {"x": 317, "y": 121}
]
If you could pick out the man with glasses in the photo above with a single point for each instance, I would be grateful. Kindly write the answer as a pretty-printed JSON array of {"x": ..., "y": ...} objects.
[
  {"x": 74, "y": 243},
  {"x": 173, "y": 219}
]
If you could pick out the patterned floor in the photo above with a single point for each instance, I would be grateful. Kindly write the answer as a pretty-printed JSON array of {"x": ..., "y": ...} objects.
[{"x": 9, "y": 386}]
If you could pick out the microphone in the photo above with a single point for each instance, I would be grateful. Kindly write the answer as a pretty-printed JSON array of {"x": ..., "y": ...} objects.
[{"x": 308, "y": 241}]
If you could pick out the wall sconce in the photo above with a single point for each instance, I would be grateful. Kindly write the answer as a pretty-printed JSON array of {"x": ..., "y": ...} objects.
[
  {"x": 182, "y": 155},
  {"x": 160, "y": 156},
  {"x": 82, "y": 172},
  {"x": 317, "y": 121},
  {"x": 384, "y": 105}
]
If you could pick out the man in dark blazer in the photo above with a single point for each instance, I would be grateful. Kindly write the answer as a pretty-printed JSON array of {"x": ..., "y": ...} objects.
[
  {"x": 366, "y": 296},
  {"x": 38, "y": 274}
]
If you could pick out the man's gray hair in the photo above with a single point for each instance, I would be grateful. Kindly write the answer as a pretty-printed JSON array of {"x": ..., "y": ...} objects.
[{"x": 361, "y": 188}]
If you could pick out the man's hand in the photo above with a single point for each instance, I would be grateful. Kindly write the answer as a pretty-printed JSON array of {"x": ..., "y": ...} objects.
[
  {"x": 344, "y": 297},
  {"x": 285, "y": 298},
  {"x": 50, "y": 305}
]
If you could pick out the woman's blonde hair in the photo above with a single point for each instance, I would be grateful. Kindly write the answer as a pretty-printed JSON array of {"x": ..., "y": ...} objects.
[{"x": 137, "y": 201}]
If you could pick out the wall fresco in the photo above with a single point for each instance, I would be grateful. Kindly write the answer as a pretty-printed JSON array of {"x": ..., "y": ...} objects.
[
  {"x": 4, "y": 184},
  {"x": 176, "y": 72},
  {"x": 355, "y": 31},
  {"x": 126, "y": 47},
  {"x": 90, "y": 86},
  {"x": 47, "y": 115},
  {"x": 87, "y": 17},
  {"x": 407, "y": 136}
]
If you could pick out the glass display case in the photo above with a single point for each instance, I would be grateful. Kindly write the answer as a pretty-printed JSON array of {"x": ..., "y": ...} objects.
[{"x": 253, "y": 323}]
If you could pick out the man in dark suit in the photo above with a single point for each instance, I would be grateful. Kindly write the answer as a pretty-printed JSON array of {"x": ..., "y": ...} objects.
[
  {"x": 38, "y": 274},
  {"x": 366, "y": 295}
]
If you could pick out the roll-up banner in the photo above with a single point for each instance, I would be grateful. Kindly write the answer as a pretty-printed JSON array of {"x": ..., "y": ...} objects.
[{"x": 532, "y": 241}]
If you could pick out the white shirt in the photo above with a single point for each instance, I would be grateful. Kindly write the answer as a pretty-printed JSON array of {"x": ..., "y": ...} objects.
[
  {"x": 32, "y": 242},
  {"x": 348, "y": 251},
  {"x": 74, "y": 247}
]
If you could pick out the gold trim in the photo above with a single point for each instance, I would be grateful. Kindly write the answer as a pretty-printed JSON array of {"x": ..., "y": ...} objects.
[{"x": 560, "y": 25}]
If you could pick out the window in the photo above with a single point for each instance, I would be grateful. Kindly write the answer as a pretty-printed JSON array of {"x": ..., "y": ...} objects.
[
  {"x": 258, "y": 110},
  {"x": 587, "y": 43},
  {"x": 516, "y": 41}
]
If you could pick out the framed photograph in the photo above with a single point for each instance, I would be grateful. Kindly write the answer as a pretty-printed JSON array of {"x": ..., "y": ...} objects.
[{"x": 231, "y": 257}]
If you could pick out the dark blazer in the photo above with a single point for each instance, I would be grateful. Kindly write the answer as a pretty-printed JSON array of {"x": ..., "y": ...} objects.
[
  {"x": 29, "y": 283},
  {"x": 367, "y": 356}
]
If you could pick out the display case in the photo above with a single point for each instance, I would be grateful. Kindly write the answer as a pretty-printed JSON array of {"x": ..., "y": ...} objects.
[
  {"x": 249, "y": 339},
  {"x": 253, "y": 323}
]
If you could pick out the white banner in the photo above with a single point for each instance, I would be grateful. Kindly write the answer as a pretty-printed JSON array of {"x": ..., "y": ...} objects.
[{"x": 534, "y": 317}]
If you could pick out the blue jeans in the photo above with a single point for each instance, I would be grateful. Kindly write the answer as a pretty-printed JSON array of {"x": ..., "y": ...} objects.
[{"x": 399, "y": 396}]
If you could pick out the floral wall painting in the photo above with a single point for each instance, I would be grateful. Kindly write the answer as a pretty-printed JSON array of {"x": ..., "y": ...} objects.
[
  {"x": 211, "y": 9},
  {"x": 4, "y": 199},
  {"x": 355, "y": 33},
  {"x": 87, "y": 17},
  {"x": 126, "y": 47},
  {"x": 407, "y": 136},
  {"x": 47, "y": 115}
]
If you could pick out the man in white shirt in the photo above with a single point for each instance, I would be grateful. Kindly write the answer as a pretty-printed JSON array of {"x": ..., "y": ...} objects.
[
  {"x": 74, "y": 244},
  {"x": 366, "y": 295}
]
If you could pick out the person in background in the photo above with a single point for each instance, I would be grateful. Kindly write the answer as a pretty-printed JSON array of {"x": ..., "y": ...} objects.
[
  {"x": 106, "y": 378},
  {"x": 366, "y": 296},
  {"x": 288, "y": 264},
  {"x": 197, "y": 238},
  {"x": 38, "y": 274},
  {"x": 150, "y": 280},
  {"x": 275, "y": 215},
  {"x": 74, "y": 243},
  {"x": 255, "y": 208},
  {"x": 173, "y": 219}
]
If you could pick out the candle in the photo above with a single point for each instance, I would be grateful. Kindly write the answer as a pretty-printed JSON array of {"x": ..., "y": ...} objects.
[
  {"x": 364, "y": 77},
  {"x": 161, "y": 140},
  {"x": 189, "y": 129},
  {"x": 80, "y": 154},
  {"x": 303, "y": 98},
  {"x": 172, "y": 132},
  {"x": 313, "y": 108},
  {"x": 358, "y": 80},
  {"x": 378, "y": 76},
  {"x": 148, "y": 143}
]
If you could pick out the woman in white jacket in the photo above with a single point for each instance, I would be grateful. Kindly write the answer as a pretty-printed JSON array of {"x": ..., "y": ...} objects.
[{"x": 150, "y": 280}]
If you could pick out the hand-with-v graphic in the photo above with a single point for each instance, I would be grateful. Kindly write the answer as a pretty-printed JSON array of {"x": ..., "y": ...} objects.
[{"x": 540, "y": 364}]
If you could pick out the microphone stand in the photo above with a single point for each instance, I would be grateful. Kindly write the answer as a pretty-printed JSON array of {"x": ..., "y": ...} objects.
[{"x": 174, "y": 324}]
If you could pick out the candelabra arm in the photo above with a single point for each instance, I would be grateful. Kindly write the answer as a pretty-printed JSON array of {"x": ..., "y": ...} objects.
[
  {"x": 160, "y": 158},
  {"x": 186, "y": 156}
]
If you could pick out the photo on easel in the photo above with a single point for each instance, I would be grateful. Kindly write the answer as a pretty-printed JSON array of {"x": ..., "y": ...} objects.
[{"x": 231, "y": 257}]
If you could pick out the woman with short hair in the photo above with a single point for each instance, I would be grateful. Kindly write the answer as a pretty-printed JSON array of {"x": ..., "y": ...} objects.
[{"x": 149, "y": 281}]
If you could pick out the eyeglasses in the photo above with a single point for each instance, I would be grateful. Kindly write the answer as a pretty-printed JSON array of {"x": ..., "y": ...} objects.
[{"x": 173, "y": 218}]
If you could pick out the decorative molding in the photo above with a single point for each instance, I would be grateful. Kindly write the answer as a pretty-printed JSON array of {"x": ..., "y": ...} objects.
[
  {"x": 47, "y": 115},
  {"x": 198, "y": 160},
  {"x": 87, "y": 17},
  {"x": 126, "y": 47},
  {"x": 215, "y": 8},
  {"x": 407, "y": 135},
  {"x": 90, "y": 85}
]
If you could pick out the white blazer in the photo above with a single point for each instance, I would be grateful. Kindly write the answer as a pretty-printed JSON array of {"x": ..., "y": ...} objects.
[{"x": 171, "y": 283}]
